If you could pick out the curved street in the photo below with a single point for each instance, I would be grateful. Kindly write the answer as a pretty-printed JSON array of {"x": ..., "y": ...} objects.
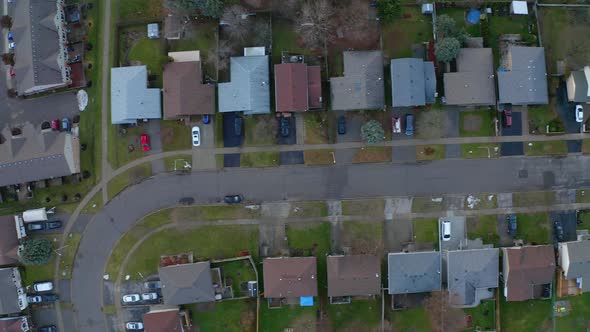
[{"x": 295, "y": 183}]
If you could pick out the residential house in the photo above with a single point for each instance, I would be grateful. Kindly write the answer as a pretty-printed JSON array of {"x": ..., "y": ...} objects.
[
  {"x": 528, "y": 272},
  {"x": 298, "y": 87},
  {"x": 578, "y": 86},
  {"x": 414, "y": 272},
  {"x": 523, "y": 80},
  {"x": 291, "y": 278},
  {"x": 413, "y": 82},
  {"x": 184, "y": 92},
  {"x": 249, "y": 88},
  {"x": 187, "y": 283},
  {"x": 361, "y": 87},
  {"x": 354, "y": 275},
  {"x": 473, "y": 83},
  {"x": 164, "y": 319},
  {"x": 29, "y": 153},
  {"x": 13, "y": 298},
  {"x": 40, "y": 45},
  {"x": 131, "y": 99},
  {"x": 9, "y": 241},
  {"x": 574, "y": 260},
  {"x": 15, "y": 324},
  {"x": 471, "y": 275}
]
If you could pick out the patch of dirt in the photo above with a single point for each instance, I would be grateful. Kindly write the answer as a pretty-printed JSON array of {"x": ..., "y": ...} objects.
[
  {"x": 306, "y": 323},
  {"x": 167, "y": 135},
  {"x": 354, "y": 29},
  {"x": 248, "y": 320},
  {"x": 472, "y": 123}
]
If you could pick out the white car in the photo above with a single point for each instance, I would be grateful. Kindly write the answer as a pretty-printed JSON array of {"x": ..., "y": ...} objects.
[
  {"x": 131, "y": 298},
  {"x": 149, "y": 296},
  {"x": 196, "y": 131},
  {"x": 579, "y": 113},
  {"x": 134, "y": 326},
  {"x": 446, "y": 230}
]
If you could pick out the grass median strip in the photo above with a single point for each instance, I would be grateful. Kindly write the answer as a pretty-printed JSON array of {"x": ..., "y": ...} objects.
[
  {"x": 545, "y": 148},
  {"x": 319, "y": 157},
  {"x": 480, "y": 150},
  {"x": 430, "y": 152},
  {"x": 372, "y": 154},
  {"x": 68, "y": 254},
  {"x": 177, "y": 163},
  {"x": 131, "y": 176},
  {"x": 259, "y": 159},
  {"x": 214, "y": 212},
  {"x": 95, "y": 204}
]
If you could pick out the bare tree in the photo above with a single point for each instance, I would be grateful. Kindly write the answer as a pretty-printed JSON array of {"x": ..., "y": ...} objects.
[
  {"x": 261, "y": 33},
  {"x": 353, "y": 18},
  {"x": 236, "y": 21},
  {"x": 6, "y": 21},
  {"x": 8, "y": 58},
  {"x": 224, "y": 51},
  {"x": 286, "y": 8},
  {"x": 314, "y": 23},
  {"x": 432, "y": 124}
]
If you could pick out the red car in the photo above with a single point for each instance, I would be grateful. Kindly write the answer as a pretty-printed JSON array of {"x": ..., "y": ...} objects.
[
  {"x": 145, "y": 142},
  {"x": 507, "y": 118},
  {"x": 55, "y": 125}
]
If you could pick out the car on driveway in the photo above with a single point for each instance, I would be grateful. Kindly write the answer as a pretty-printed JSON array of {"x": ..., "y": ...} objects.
[
  {"x": 45, "y": 298},
  {"x": 152, "y": 285},
  {"x": 396, "y": 125},
  {"x": 131, "y": 298},
  {"x": 149, "y": 296},
  {"x": 233, "y": 199},
  {"x": 446, "y": 230},
  {"x": 512, "y": 224},
  {"x": 43, "y": 286},
  {"x": 35, "y": 226},
  {"x": 54, "y": 224},
  {"x": 507, "y": 118},
  {"x": 341, "y": 125},
  {"x": 48, "y": 328},
  {"x": 579, "y": 113},
  {"x": 284, "y": 125},
  {"x": 559, "y": 233},
  {"x": 134, "y": 326},
  {"x": 196, "y": 134},
  {"x": 66, "y": 125},
  {"x": 145, "y": 142},
  {"x": 206, "y": 119},
  {"x": 238, "y": 125},
  {"x": 55, "y": 125},
  {"x": 409, "y": 125}
]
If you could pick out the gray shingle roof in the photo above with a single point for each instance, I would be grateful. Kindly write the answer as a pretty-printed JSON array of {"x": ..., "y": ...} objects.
[
  {"x": 414, "y": 272},
  {"x": 578, "y": 253},
  {"x": 473, "y": 83},
  {"x": 8, "y": 292},
  {"x": 469, "y": 271},
  {"x": 249, "y": 89},
  {"x": 526, "y": 81},
  {"x": 413, "y": 82},
  {"x": 362, "y": 85},
  {"x": 131, "y": 100},
  {"x": 187, "y": 283}
]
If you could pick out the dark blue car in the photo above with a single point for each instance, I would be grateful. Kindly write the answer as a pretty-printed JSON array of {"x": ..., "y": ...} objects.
[
  {"x": 409, "y": 125},
  {"x": 66, "y": 125},
  {"x": 206, "y": 119}
]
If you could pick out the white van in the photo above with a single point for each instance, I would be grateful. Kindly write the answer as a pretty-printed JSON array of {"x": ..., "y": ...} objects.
[
  {"x": 44, "y": 286},
  {"x": 446, "y": 230}
]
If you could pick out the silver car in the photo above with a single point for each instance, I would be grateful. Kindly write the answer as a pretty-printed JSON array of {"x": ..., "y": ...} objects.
[
  {"x": 131, "y": 298},
  {"x": 134, "y": 326},
  {"x": 149, "y": 296}
]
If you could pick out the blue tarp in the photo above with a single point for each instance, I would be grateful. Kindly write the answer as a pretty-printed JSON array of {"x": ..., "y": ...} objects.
[
  {"x": 473, "y": 16},
  {"x": 306, "y": 301}
]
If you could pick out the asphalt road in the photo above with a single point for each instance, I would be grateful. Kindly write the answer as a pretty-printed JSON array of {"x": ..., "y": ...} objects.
[{"x": 300, "y": 182}]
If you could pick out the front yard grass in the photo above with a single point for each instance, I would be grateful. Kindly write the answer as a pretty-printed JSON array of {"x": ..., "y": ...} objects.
[
  {"x": 68, "y": 254},
  {"x": 372, "y": 154},
  {"x": 34, "y": 273},
  {"x": 484, "y": 227},
  {"x": 584, "y": 218},
  {"x": 533, "y": 198},
  {"x": 95, "y": 204},
  {"x": 317, "y": 127},
  {"x": 129, "y": 177},
  {"x": 205, "y": 242},
  {"x": 425, "y": 230},
  {"x": 214, "y": 212},
  {"x": 319, "y": 157},
  {"x": 259, "y": 159},
  {"x": 227, "y": 316},
  {"x": 120, "y": 143},
  {"x": 531, "y": 315},
  {"x": 411, "y": 28},
  {"x": 360, "y": 315},
  {"x": 362, "y": 237},
  {"x": 483, "y": 316},
  {"x": 430, "y": 152},
  {"x": 534, "y": 228},
  {"x": 175, "y": 135},
  {"x": 476, "y": 123},
  {"x": 177, "y": 162},
  {"x": 309, "y": 209},
  {"x": 480, "y": 150},
  {"x": 426, "y": 204},
  {"x": 260, "y": 130},
  {"x": 364, "y": 207},
  {"x": 411, "y": 320},
  {"x": 542, "y": 116},
  {"x": 545, "y": 148},
  {"x": 577, "y": 319}
]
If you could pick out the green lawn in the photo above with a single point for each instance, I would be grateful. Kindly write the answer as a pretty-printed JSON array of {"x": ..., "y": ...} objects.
[
  {"x": 484, "y": 227},
  {"x": 68, "y": 254},
  {"x": 529, "y": 315},
  {"x": 95, "y": 204},
  {"x": 309, "y": 209},
  {"x": 272, "y": 320},
  {"x": 119, "y": 153},
  {"x": 362, "y": 237},
  {"x": 545, "y": 148},
  {"x": 534, "y": 228},
  {"x": 399, "y": 35},
  {"x": 426, "y": 204},
  {"x": 131, "y": 176},
  {"x": 284, "y": 38},
  {"x": 584, "y": 217},
  {"x": 238, "y": 272},
  {"x": 317, "y": 127},
  {"x": 364, "y": 207},
  {"x": 205, "y": 242},
  {"x": 477, "y": 123},
  {"x": 227, "y": 316},
  {"x": 203, "y": 39},
  {"x": 426, "y": 230},
  {"x": 260, "y": 159},
  {"x": 215, "y": 212},
  {"x": 260, "y": 130},
  {"x": 180, "y": 160},
  {"x": 483, "y": 316},
  {"x": 319, "y": 157},
  {"x": 150, "y": 52},
  {"x": 542, "y": 116},
  {"x": 34, "y": 273},
  {"x": 411, "y": 320},
  {"x": 499, "y": 25},
  {"x": 480, "y": 150},
  {"x": 360, "y": 314},
  {"x": 577, "y": 320},
  {"x": 140, "y": 9},
  {"x": 586, "y": 146},
  {"x": 372, "y": 154},
  {"x": 175, "y": 135},
  {"x": 430, "y": 152},
  {"x": 533, "y": 198}
]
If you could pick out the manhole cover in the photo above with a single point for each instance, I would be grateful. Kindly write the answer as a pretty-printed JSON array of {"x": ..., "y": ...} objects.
[{"x": 523, "y": 174}]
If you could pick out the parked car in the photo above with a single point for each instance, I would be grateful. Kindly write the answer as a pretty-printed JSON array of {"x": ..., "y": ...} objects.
[
  {"x": 238, "y": 125},
  {"x": 409, "y": 125},
  {"x": 48, "y": 328},
  {"x": 43, "y": 286},
  {"x": 446, "y": 230},
  {"x": 284, "y": 125},
  {"x": 53, "y": 224},
  {"x": 35, "y": 226},
  {"x": 55, "y": 125},
  {"x": 512, "y": 224},
  {"x": 144, "y": 140},
  {"x": 507, "y": 118},
  {"x": 131, "y": 298},
  {"x": 134, "y": 326},
  {"x": 45, "y": 298},
  {"x": 233, "y": 199},
  {"x": 396, "y": 125},
  {"x": 206, "y": 119},
  {"x": 66, "y": 125},
  {"x": 149, "y": 296},
  {"x": 152, "y": 285},
  {"x": 196, "y": 134},
  {"x": 558, "y": 230},
  {"x": 341, "y": 125},
  {"x": 579, "y": 113}
]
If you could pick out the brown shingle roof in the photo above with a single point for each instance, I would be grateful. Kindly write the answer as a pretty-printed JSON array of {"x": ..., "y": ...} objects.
[
  {"x": 525, "y": 267},
  {"x": 291, "y": 87},
  {"x": 162, "y": 321},
  {"x": 8, "y": 241},
  {"x": 290, "y": 277},
  {"x": 314, "y": 86},
  {"x": 184, "y": 94},
  {"x": 354, "y": 275}
]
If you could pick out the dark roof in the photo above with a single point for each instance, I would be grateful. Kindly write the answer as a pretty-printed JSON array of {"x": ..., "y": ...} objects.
[
  {"x": 162, "y": 321},
  {"x": 414, "y": 272},
  {"x": 9, "y": 299},
  {"x": 469, "y": 271},
  {"x": 473, "y": 83},
  {"x": 8, "y": 241},
  {"x": 314, "y": 86},
  {"x": 290, "y": 277},
  {"x": 15, "y": 324},
  {"x": 356, "y": 275},
  {"x": 525, "y": 267},
  {"x": 184, "y": 94},
  {"x": 525, "y": 82},
  {"x": 361, "y": 87},
  {"x": 187, "y": 283},
  {"x": 413, "y": 82},
  {"x": 291, "y": 87}
]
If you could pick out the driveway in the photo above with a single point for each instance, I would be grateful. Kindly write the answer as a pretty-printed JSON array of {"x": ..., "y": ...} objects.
[
  {"x": 567, "y": 219},
  {"x": 513, "y": 148},
  {"x": 457, "y": 233},
  {"x": 354, "y": 122},
  {"x": 290, "y": 157},
  {"x": 567, "y": 114},
  {"x": 44, "y": 316}
]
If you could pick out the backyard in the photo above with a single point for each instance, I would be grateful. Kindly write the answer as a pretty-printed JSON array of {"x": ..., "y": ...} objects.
[
  {"x": 483, "y": 317},
  {"x": 360, "y": 315},
  {"x": 577, "y": 318},
  {"x": 401, "y": 34},
  {"x": 226, "y": 316},
  {"x": 200, "y": 36},
  {"x": 531, "y": 315},
  {"x": 411, "y": 320}
]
